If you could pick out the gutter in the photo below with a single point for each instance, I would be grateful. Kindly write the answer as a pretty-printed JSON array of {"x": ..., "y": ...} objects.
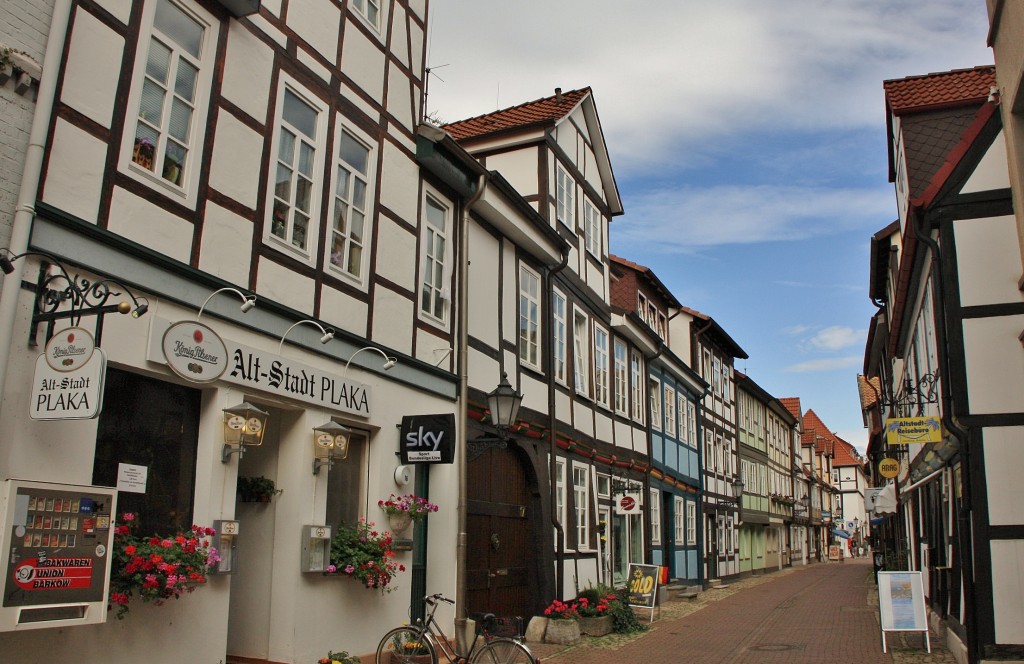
[{"x": 24, "y": 213}]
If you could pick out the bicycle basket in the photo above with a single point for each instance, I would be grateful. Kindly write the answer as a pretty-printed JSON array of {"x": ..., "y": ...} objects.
[{"x": 510, "y": 627}]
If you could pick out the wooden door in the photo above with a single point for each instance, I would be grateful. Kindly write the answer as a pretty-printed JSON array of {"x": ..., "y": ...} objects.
[{"x": 497, "y": 569}]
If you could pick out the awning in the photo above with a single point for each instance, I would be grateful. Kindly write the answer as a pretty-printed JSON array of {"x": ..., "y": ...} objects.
[
  {"x": 841, "y": 533},
  {"x": 881, "y": 500}
]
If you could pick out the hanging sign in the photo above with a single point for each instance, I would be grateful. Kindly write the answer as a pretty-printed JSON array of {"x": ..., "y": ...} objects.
[
  {"x": 75, "y": 394},
  {"x": 627, "y": 503},
  {"x": 70, "y": 349},
  {"x": 195, "y": 352},
  {"x": 889, "y": 468},
  {"x": 428, "y": 439},
  {"x": 908, "y": 430}
]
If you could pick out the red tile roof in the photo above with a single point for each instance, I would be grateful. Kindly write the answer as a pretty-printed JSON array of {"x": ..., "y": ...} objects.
[
  {"x": 539, "y": 112},
  {"x": 846, "y": 454},
  {"x": 792, "y": 404},
  {"x": 940, "y": 90}
]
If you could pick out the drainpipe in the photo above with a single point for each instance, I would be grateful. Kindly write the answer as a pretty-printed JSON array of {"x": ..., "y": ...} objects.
[
  {"x": 463, "y": 425},
  {"x": 552, "y": 429},
  {"x": 25, "y": 212},
  {"x": 964, "y": 523}
]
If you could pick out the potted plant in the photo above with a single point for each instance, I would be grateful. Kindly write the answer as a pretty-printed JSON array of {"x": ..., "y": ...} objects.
[
  {"x": 403, "y": 510},
  {"x": 365, "y": 554},
  {"x": 155, "y": 569},
  {"x": 257, "y": 489},
  {"x": 563, "y": 623},
  {"x": 595, "y": 612}
]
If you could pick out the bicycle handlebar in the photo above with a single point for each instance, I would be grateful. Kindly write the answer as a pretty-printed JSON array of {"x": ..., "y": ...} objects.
[{"x": 437, "y": 597}]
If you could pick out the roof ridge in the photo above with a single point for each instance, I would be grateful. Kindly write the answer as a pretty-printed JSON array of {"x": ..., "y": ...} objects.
[{"x": 524, "y": 104}]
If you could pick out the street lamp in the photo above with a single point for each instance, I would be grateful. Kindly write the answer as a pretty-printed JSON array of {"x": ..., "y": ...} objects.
[
  {"x": 330, "y": 443},
  {"x": 244, "y": 425},
  {"x": 504, "y": 402}
]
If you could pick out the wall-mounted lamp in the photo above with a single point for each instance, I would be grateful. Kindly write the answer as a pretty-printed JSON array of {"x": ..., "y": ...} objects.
[
  {"x": 247, "y": 302},
  {"x": 388, "y": 361},
  {"x": 244, "y": 425},
  {"x": 504, "y": 403},
  {"x": 802, "y": 505},
  {"x": 330, "y": 444},
  {"x": 327, "y": 333},
  {"x": 737, "y": 492}
]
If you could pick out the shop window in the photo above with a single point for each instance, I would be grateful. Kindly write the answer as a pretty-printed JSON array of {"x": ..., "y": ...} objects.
[{"x": 151, "y": 423}]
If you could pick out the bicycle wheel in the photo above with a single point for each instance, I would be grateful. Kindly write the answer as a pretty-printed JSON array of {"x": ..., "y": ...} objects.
[
  {"x": 504, "y": 651},
  {"x": 405, "y": 645}
]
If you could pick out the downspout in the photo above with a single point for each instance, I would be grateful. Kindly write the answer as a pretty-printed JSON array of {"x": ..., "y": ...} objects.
[
  {"x": 24, "y": 213},
  {"x": 964, "y": 523},
  {"x": 552, "y": 430},
  {"x": 463, "y": 425}
]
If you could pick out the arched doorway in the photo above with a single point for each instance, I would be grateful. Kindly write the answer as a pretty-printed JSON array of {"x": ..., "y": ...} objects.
[{"x": 501, "y": 556}]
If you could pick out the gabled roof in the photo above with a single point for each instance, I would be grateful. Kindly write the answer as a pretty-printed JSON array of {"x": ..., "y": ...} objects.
[
  {"x": 846, "y": 454},
  {"x": 648, "y": 275},
  {"x": 535, "y": 118},
  {"x": 792, "y": 404},
  {"x": 929, "y": 92},
  {"x": 716, "y": 332},
  {"x": 540, "y": 112},
  {"x": 817, "y": 434},
  {"x": 869, "y": 389}
]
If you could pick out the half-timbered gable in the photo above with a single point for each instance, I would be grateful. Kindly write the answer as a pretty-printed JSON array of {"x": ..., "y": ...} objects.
[
  {"x": 248, "y": 169},
  {"x": 947, "y": 349}
]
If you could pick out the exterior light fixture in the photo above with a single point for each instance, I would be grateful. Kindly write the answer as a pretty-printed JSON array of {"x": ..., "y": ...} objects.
[
  {"x": 802, "y": 505},
  {"x": 326, "y": 333},
  {"x": 388, "y": 361},
  {"x": 330, "y": 444},
  {"x": 504, "y": 403},
  {"x": 737, "y": 489},
  {"x": 247, "y": 302},
  {"x": 244, "y": 425}
]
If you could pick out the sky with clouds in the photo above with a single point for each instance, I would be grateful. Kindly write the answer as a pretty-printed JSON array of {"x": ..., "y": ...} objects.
[{"x": 748, "y": 141}]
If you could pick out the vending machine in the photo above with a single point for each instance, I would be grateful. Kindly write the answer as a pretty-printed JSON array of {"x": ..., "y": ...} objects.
[{"x": 57, "y": 540}]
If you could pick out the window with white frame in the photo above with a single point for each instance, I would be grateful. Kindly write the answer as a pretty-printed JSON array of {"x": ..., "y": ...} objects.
[
  {"x": 529, "y": 317},
  {"x": 370, "y": 10},
  {"x": 565, "y": 205},
  {"x": 670, "y": 410},
  {"x": 654, "y": 392},
  {"x": 581, "y": 498},
  {"x": 679, "y": 520},
  {"x": 560, "y": 495},
  {"x": 174, "y": 73},
  {"x": 691, "y": 523},
  {"x": 436, "y": 258},
  {"x": 636, "y": 378},
  {"x": 621, "y": 396},
  {"x": 691, "y": 408},
  {"x": 581, "y": 352},
  {"x": 351, "y": 216},
  {"x": 655, "y": 516},
  {"x": 592, "y": 228},
  {"x": 294, "y": 196},
  {"x": 709, "y": 450},
  {"x": 684, "y": 419},
  {"x": 601, "y": 365},
  {"x": 558, "y": 310},
  {"x": 604, "y": 486}
]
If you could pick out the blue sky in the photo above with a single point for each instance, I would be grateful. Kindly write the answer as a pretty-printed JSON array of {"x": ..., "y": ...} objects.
[{"x": 748, "y": 141}]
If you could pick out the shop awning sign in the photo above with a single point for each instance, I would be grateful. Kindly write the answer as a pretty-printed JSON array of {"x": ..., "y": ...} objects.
[
  {"x": 428, "y": 438},
  {"x": 195, "y": 352},
  {"x": 910, "y": 430}
]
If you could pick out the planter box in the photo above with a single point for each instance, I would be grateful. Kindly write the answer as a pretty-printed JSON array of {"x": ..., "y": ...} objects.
[
  {"x": 596, "y": 626},
  {"x": 562, "y": 632}
]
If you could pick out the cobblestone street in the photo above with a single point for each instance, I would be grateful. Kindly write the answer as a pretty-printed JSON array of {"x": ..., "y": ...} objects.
[{"x": 822, "y": 613}]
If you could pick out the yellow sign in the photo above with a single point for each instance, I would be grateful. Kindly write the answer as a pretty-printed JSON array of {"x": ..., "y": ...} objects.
[
  {"x": 889, "y": 468},
  {"x": 908, "y": 430}
]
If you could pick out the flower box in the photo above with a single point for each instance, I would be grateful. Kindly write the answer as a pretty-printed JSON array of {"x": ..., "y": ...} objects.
[{"x": 596, "y": 626}]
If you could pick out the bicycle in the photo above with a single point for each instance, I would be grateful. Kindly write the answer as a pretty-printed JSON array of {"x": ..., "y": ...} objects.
[{"x": 421, "y": 643}]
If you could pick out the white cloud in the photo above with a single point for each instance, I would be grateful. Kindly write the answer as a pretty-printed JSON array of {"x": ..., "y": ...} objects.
[
  {"x": 826, "y": 364},
  {"x": 669, "y": 76},
  {"x": 836, "y": 337},
  {"x": 681, "y": 218}
]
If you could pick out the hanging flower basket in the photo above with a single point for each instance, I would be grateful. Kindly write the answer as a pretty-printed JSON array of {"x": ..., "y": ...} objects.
[{"x": 399, "y": 522}]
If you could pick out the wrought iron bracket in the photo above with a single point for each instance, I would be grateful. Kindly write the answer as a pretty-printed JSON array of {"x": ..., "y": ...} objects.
[
  {"x": 911, "y": 395},
  {"x": 61, "y": 296}
]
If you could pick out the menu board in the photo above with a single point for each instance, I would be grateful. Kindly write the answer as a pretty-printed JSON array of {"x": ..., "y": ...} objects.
[{"x": 58, "y": 540}]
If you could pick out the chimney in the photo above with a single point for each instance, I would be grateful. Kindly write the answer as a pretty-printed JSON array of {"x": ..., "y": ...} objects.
[{"x": 558, "y": 95}]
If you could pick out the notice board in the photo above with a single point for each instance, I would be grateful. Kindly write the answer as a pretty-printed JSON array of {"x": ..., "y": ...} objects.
[
  {"x": 642, "y": 586},
  {"x": 901, "y": 604}
]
